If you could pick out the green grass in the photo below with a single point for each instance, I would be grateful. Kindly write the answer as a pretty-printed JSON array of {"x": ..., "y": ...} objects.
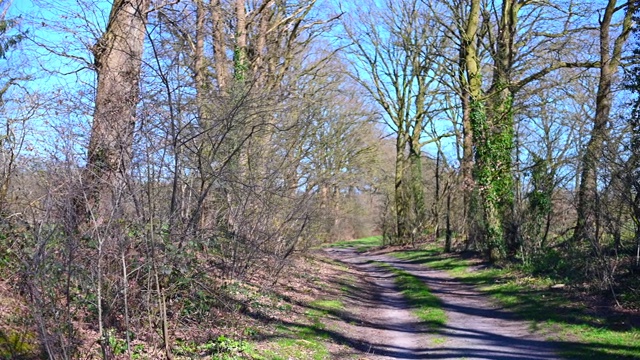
[
  {"x": 361, "y": 245},
  {"x": 297, "y": 342},
  {"x": 581, "y": 335},
  {"x": 426, "y": 306},
  {"x": 300, "y": 341},
  {"x": 328, "y": 305}
]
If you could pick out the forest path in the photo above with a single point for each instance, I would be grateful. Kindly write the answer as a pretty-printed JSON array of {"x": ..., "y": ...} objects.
[{"x": 476, "y": 327}]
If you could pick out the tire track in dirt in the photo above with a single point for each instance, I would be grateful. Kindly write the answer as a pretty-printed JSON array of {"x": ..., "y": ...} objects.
[
  {"x": 377, "y": 320},
  {"x": 476, "y": 327}
]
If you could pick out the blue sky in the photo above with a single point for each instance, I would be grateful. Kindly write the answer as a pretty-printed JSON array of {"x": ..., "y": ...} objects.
[{"x": 55, "y": 57}]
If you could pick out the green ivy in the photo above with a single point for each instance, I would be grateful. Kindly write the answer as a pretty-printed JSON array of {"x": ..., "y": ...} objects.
[
  {"x": 542, "y": 181},
  {"x": 239, "y": 64},
  {"x": 493, "y": 137}
]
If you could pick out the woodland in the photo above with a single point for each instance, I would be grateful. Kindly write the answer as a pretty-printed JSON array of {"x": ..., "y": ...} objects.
[{"x": 154, "y": 154}]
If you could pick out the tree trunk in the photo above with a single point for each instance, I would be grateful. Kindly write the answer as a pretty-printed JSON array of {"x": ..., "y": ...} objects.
[
  {"x": 118, "y": 58},
  {"x": 417, "y": 189},
  {"x": 493, "y": 138},
  {"x": 470, "y": 97},
  {"x": 448, "y": 240},
  {"x": 436, "y": 198},
  {"x": 199, "y": 76},
  {"x": 415, "y": 161},
  {"x": 219, "y": 48},
  {"x": 240, "y": 51},
  {"x": 467, "y": 155},
  {"x": 609, "y": 62},
  {"x": 402, "y": 208}
]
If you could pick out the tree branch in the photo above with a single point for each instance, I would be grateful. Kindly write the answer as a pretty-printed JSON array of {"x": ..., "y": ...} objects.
[{"x": 553, "y": 67}]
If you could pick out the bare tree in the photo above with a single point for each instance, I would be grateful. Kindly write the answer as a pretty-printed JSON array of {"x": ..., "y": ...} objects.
[
  {"x": 397, "y": 63},
  {"x": 611, "y": 50}
]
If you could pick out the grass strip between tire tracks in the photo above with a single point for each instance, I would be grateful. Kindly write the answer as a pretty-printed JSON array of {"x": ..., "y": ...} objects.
[{"x": 426, "y": 306}]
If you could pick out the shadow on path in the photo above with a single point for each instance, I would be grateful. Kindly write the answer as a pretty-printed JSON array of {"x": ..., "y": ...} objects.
[{"x": 476, "y": 328}]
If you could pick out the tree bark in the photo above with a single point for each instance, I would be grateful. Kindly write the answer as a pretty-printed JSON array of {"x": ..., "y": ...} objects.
[
  {"x": 467, "y": 149},
  {"x": 240, "y": 51},
  {"x": 471, "y": 95},
  {"x": 219, "y": 48},
  {"x": 417, "y": 186},
  {"x": 401, "y": 200},
  {"x": 493, "y": 132},
  {"x": 118, "y": 59},
  {"x": 436, "y": 198},
  {"x": 415, "y": 155}
]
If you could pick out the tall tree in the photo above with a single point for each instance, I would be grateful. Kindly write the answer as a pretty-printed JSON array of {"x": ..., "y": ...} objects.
[
  {"x": 611, "y": 50},
  {"x": 493, "y": 134},
  {"x": 117, "y": 60},
  {"x": 10, "y": 139},
  {"x": 470, "y": 96},
  {"x": 515, "y": 48},
  {"x": 631, "y": 173}
]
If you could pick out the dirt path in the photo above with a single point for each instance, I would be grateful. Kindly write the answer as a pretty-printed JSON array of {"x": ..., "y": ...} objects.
[{"x": 386, "y": 329}]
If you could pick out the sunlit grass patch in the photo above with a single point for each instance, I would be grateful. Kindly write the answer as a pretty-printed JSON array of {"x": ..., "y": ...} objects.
[
  {"x": 435, "y": 259},
  {"x": 360, "y": 245},
  {"x": 328, "y": 304},
  {"x": 296, "y": 342}
]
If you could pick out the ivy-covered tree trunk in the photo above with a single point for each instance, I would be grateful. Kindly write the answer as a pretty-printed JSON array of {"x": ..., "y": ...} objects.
[
  {"x": 500, "y": 145},
  {"x": 493, "y": 141},
  {"x": 415, "y": 161},
  {"x": 240, "y": 52},
  {"x": 402, "y": 199},
  {"x": 493, "y": 133}
]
